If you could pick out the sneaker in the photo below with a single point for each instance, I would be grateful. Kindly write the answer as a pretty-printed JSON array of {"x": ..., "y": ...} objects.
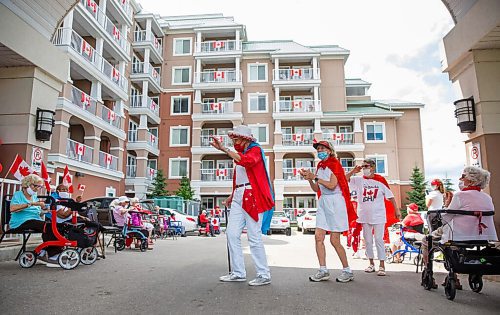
[
  {"x": 232, "y": 278},
  {"x": 321, "y": 275},
  {"x": 260, "y": 280},
  {"x": 345, "y": 276}
]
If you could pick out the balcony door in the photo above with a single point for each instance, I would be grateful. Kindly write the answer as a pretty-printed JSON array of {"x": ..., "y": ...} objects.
[
  {"x": 131, "y": 165},
  {"x": 132, "y": 131}
]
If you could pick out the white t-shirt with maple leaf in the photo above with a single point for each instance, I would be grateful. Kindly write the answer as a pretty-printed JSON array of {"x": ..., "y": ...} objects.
[{"x": 371, "y": 194}]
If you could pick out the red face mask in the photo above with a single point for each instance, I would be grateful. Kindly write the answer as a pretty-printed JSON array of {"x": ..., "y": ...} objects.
[{"x": 238, "y": 147}]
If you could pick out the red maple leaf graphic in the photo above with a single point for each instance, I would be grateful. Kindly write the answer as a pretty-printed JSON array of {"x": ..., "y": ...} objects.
[
  {"x": 24, "y": 171},
  {"x": 370, "y": 192}
]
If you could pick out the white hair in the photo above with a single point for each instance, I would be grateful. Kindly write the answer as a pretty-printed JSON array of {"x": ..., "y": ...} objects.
[
  {"x": 477, "y": 176},
  {"x": 31, "y": 179}
]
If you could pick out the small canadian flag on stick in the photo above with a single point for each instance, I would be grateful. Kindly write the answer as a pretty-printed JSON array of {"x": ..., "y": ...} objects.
[
  {"x": 67, "y": 181},
  {"x": 81, "y": 187}
]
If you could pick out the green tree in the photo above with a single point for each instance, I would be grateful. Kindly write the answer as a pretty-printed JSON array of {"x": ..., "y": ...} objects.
[
  {"x": 159, "y": 185},
  {"x": 185, "y": 191},
  {"x": 417, "y": 192},
  {"x": 448, "y": 186}
]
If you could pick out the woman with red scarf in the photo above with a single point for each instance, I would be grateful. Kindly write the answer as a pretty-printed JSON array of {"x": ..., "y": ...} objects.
[{"x": 334, "y": 209}]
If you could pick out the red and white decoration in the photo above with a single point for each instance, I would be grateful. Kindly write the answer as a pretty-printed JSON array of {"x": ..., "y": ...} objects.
[
  {"x": 220, "y": 138},
  {"x": 296, "y": 72},
  {"x": 81, "y": 187},
  {"x": 109, "y": 159},
  {"x": 80, "y": 149},
  {"x": 116, "y": 75},
  {"x": 153, "y": 105},
  {"x": 297, "y": 104},
  {"x": 219, "y": 74},
  {"x": 155, "y": 73},
  {"x": 87, "y": 49},
  {"x": 221, "y": 172},
  {"x": 156, "y": 42},
  {"x": 218, "y": 44},
  {"x": 111, "y": 115},
  {"x": 85, "y": 100},
  {"x": 46, "y": 178},
  {"x": 216, "y": 106},
  {"x": 20, "y": 168},
  {"x": 152, "y": 138},
  {"x": 296, "y": 171},
  {"x": 338, "y": 137},
  {"x": 298, "y": 137},
  {"x": 67, "y": 181},
  {"x": 116, "y": 33},
  {"x": 92, "y": 5},
  {"x": 152, "y": 172}
]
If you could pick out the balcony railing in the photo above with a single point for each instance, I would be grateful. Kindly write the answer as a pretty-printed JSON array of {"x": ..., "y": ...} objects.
[
  {"x": 108, "y": 161},
  {"x": 111, "y": 117},
  {"x": 216, "y": 174},
  {"x": 146, "y": 68},
  {"x": 340, "y": 138},
  {"x": 79, "y": 151},
  {"x": 131, "y": 170},
  {"x": 293, "y": 173},
  {"x": 152, "y": 140},
  {"x": 101, "y": 18},
  {"x": 150, "y": 173},
  {"x": 297, "y": 106},
  {"x": 151, "y": 103},
  {"x": 125, "y": 5},
  {"x": 221, "y": 76},
  {"x": 83, "y": 100},
  {"x": 226, "y": 141},
  {"x": 217, "y": 108},
  {"x": 215, "y": 46},
  {"x": 141, "y": 37},
  {"x": 296, "y": 74},
  {"x": 298, "y": 139},
  {"x": 68, "y": 37}
]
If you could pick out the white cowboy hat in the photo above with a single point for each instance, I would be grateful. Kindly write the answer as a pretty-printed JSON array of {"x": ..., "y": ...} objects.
[
  {"x": 123, "y": 199},
  {"x": 242, "y": 131}
]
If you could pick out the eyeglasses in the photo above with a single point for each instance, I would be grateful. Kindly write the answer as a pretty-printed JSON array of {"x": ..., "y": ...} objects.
[
  {"x": 36, "y": 186},
  {"x": 462, "y": 177},
  {"x": 366, "y": 166}
]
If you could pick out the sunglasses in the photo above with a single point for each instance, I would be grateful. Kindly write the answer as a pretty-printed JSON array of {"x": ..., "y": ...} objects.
[
  {"x": 462, "y": 177},
  {"x": 36, "y": 186},
  {"x": 366, "y": 166}
]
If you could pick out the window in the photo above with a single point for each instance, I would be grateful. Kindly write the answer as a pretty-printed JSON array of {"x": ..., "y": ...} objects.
[
  {"x": 380, "y": 163},
  {"x": 179, "y": 136},
  {"x": 257, "y": 72},
  {"x": 180, "y": 105},
  {"x": 182, "y": 46},
  {"x": 375, "y": 132},
  {"x": 345, "y": 129},
  {"x": 260, "y": 133},
  {"x": 181, "y": 75},
  {"x": 110, "y": 191},
  {"x": 355, "y": 91},
  {"x": 288, "y": 202},
  {"x": 178, "y": 168},
  {"x": 257, "y": 103}
]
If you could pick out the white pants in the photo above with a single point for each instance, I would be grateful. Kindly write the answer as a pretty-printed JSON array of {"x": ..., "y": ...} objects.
[
  {"x": 376, "y": 231},
  {"x": 238, "y": 219}
]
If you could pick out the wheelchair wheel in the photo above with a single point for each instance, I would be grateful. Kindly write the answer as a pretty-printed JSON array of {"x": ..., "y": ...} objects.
[
  {"x": 27, "y": 259},
  {"x": 450, "y": 288},
  {"x": 476, "y": 282},
  {"x": 427, "y": 280},
  {"x": 120, "y": 244},
  {"x": 88, "y": 255},
  {"x": 69, "y": 259},
  {"x": 144, "y": 245}
]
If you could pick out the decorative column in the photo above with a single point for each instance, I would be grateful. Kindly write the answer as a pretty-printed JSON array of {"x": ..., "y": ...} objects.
[
  {"x": 238, "y": 76},
  {"x": 148, "y": 29},
  {"x": 198, "y": 42},
  {"x": 96, "y": 90},
  {"x": 276, "y": 69},
  {"x": 315, "y": 68},
  {"x": 317, "y": 105},
  {"x": 238, "y": 43},
  {"x": 277, "y": 100}
]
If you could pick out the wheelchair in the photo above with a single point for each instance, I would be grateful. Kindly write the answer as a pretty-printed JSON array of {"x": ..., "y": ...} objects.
[
  {"x": 128, "y": 233},
  {"x": 408, "y": 245},
  {"x": 474, "y": 258}
]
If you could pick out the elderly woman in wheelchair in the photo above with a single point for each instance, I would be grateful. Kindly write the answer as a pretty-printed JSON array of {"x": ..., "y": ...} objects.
[
  {"x": 410, "y": 231},
  {"x": 463, "y": 233}
]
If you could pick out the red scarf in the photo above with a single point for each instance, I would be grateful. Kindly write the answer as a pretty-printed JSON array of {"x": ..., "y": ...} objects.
[
  {"x": 334, "y": 165},
  {"x": 471, "y": 188}
]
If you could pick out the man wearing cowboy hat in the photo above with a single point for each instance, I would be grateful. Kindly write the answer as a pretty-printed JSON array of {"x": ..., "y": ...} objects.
[{"x": 249, "y": 204}]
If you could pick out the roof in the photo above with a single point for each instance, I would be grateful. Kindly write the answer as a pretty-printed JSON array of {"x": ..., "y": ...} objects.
[
  {"x": 288, "y": 47},
  {"x": 361, "y": 110},
  {"x": 197, "y": 21},
  {"x": 356, "y": 82}
]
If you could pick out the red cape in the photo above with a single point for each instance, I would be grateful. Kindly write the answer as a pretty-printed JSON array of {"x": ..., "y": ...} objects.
[{"x": 334, "y": 165}]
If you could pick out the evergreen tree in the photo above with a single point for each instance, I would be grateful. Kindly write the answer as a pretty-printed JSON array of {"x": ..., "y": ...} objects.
[
  {"x": 417, "y": 192},
  {"x": 159, "y": 185},
  {"x": 185, "y": 191},
  {"x": 448, "y": 186}
]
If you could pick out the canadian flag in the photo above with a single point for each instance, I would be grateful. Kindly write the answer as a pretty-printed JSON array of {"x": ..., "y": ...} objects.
[
  {"x": 85, "y": 99},
  {"x": 220, "y": 138},
  {"x": 86, "y": 48},
  {"x": 153, "y": 138},
  {"x": 155, "y": 73},
  {"x": 153, "y": 105},
  {"x": 338, "y": 136},
  {"x": 124, "y": 2},
  {"x": 295, "y": 171},
  {"x": 81, "y": 187},
  {"x": 221, "y": 172},
  {"x": 92, "y": 5},
  {"x": 79, "y": 148},
  {"x": 20, "y": 168},
  {"x": 298, "y": 137},
  {"x": 116, "y": 33},
  {"x": 152, "y": 172},
  {"x": 111, "y": 115},
  {"x": 109, "y": 159},
  {"x": 297, "y": 104},
  {"x": 219, "y": 74},
  {"x": 218, "y": 44},
  {"x": 116, "y": 74},
  {"x": 45, "y": 177},
  {"x": 156, "y": 42},
  {"x": 296, "y": 72},
  {"x": 67, "y": 180},
  {"x": 216, "y": 106}
]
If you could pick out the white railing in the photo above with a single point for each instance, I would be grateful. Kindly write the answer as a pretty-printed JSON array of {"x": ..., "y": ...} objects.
[
  {"x": 7, "y": 188},
  {"x": 111, "y": 117},
  {"x": 68, "y": 37},
  {"x": 142, "y": 36},
  {"x": 297, "y": 139},
  {"x": 131, "y": 170},
  {"x": 297, "y": 106},
  {"x": 125, "y": 6},
  {"x": 152, "y": 140},
  {"x": 83, "y": 100},
  {"x": 214, "y": 46},
  {"x": 217, "y": 108},
  {"x": 108, "y": 161},
  {"x": 293, "y": 173},
  {"x": 219, "y": 174},
  {"x": 150, "y": 173},
  {"x": 340, "y": 138},
  {"x": 79, "y": 151},
  {"x": 147, "y": 68},
  {"x": 296, "y": 74},
  {"x": 101, "y": 18},
  {"x": 218, "y": 76},
  {"x": 226, "y": 141},
  {"x": 151, "y": 103}
]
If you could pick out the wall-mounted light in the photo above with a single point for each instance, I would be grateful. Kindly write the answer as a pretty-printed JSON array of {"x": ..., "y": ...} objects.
[
  {"x": 44, "y": 124},
  {"x": 465, "y": 114}
]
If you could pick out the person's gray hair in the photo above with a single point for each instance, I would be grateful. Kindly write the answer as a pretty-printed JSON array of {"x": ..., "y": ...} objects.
[
  {"x": 477, "y": 176},
  {"x": 370, "y": 161},
  {"x": 31, "y": 179}
]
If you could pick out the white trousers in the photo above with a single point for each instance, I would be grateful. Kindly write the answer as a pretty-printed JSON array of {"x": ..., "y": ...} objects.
[
  {"x": 238, "y": 219},
  {"x": 376, "y": 231}
]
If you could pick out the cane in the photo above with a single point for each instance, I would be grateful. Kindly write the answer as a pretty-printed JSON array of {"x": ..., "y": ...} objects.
[{"x": 227, "y": 241}]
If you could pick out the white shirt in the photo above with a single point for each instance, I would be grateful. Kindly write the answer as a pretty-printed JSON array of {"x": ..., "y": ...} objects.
[
  {"x": 241, "y": 175},
  {"x": 437, "y": 200},
  {"x": 371, "y": 194}
]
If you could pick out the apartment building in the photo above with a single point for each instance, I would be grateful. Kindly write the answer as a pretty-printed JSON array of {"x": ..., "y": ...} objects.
[{"x": 289, "y": 94}]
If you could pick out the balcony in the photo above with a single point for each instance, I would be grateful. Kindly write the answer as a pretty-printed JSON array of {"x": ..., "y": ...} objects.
[
  {"x": 145, "y": 71},
  {"x": 297, "y": 109},
  {"x": 79, "y": 151},
  {"x": 216, "y": 111},
  {"x": 108, "y": 161},
  {"x": 123, "y": 9},
  {"x": 216, "y": 174},
  {"x": 294, "y": 77},
  {"x": 145, "y": 105},
  {"x": 213, "y": 47},
  {"x": 131, "y": 170},
  {"x": 221, "y": 79},
  {"x": 144, "y": 39},
  {"x": 226, "y": 141},
  {"x": 137, "y": 142},
  {"x": 298, "y": 139},
  {"x": 110, "y": 29},
  {"x": 292, "y": 174},
  {"x": 338, "y": 139},
  {"x": 88, "y": 58}
]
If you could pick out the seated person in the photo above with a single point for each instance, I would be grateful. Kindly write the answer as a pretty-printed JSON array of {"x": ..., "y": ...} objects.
[
  {"x": 136, "y": 216},
  {"x": 120, "y": 210},
  {"x": 26, "y": 211},
  {"x": 63, "y": 213},
  {"x": 205, "y": 223},
  {"x": 178, "y": 224},
  {"x": 413, "y": 226}
]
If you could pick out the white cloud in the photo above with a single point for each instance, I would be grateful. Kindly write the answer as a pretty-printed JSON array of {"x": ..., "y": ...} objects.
[{"x": 394, "y": 45}]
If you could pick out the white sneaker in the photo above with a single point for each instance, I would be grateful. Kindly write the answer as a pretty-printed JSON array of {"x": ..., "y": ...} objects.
[
  {"x": 232, "y": 278},
  {"x": 260, "y": 280},
  {"x": 321, "y": 275},
  {"x": 345, "y": 276}
]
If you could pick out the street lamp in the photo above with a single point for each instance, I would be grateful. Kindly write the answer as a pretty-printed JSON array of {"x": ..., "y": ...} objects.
[
  {"x": 465, "y": 114},
  {"x": 44, "y": 124}
]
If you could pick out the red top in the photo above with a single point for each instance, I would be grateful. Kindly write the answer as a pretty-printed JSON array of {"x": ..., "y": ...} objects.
[
  {"x": 413, "y": 219},
  {"x": 203, "y": 218}
]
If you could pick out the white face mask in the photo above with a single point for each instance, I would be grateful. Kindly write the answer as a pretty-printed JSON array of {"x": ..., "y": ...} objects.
[
  {"x": 461, "y": 184},
  {"x": 30, "y": 191},
  {"x": 64, "y": 194},
  {"x": 367, "y": 172},
  {"x": 434, "y": 187}
]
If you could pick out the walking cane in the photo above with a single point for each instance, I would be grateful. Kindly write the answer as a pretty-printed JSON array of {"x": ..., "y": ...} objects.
[{"x": 227, "y": 242}]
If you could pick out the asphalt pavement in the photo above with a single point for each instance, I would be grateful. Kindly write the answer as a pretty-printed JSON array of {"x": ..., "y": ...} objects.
[{"x": 181, "y": 277}]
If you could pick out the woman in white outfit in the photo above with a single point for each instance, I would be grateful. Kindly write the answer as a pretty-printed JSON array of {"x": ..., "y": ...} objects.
[{"x": 435, "y": 199}]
